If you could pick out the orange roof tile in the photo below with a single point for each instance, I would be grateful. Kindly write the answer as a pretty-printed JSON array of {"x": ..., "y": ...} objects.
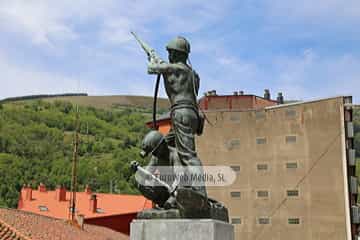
[
  {"x": 9, "y": 233},
  {"x": 30, "y": 226}
]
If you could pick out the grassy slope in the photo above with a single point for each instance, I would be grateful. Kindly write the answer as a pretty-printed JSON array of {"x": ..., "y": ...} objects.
[{"x": 107, "y": 102}]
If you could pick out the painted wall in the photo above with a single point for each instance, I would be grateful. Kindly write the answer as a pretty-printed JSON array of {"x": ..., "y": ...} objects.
[
  {"x": 120, "y": 223},
  {"x": 309, "y": 136}
]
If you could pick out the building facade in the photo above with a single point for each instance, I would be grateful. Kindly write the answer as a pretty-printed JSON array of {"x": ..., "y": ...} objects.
[
  {"x": 295, "y": 165},
  {"x": 295, "y": 169}
]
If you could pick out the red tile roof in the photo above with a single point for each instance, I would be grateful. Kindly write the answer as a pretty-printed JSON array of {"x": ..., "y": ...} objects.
[
  {"x": 20, "y": 225},
  {"x": 10, "y": 233},
  {"x": 107, "y": 204}
]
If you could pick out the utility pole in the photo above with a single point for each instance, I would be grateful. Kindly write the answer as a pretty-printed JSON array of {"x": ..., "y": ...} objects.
[{"x": 72, "y": 206}]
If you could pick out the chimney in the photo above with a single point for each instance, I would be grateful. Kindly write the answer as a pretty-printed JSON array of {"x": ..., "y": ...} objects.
[
  {"x": 280, "y": 98},
  {"x": 241, "y": 92},
  {"x": 93, "y": 203},
  {"x": 60, "y": 193},
  {"x": 210, "y": 93},
  {"x": 267, "y": 94},
  {"x": 28, "y": 193},
  {"x": 42, "y": 187},
  {"x": 87, "y": 189}
]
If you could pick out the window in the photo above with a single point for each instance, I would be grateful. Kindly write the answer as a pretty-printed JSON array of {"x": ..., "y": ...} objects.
[
  {"x": 294, "y": 221},
  {"x": 236, "y": 221},
  {"x": 291, "y": 165},
  {"x": 233, "y": 143},
  {"x": 292, "y": 193},
  {"x": 71, "y": 209},
  {"x": 352, "y": 157},
  {"x": 43, "y": 208},
  {"x": 290, "y": 113},
  {"x": 235, "y": 194},
  {"x": 262, "y": 194},
  {"x": 261, "y": 141},
  {"x": 290, "y": 139},
  {"x": 100, "y": 210},
  {"x": 235, "y": 168},
  {"x": 262, "y": 167},
  {"x": 264, "y": 220},
  {"x": 259, "y": 115},
  {"x": 235, "y": 117},
  {"x": 349, "y": 129}
]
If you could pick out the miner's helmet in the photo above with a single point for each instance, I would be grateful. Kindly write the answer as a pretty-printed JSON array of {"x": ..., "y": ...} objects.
[
  {"x": 179, "y": 44},
  {"x": 151, "y": 143}
]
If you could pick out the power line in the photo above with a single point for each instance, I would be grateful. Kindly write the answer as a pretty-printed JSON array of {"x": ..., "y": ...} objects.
[{"x": 327, "y": 149}]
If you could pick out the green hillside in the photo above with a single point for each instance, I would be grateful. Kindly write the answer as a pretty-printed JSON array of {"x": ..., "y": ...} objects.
[{"x": 36, "y": 146}]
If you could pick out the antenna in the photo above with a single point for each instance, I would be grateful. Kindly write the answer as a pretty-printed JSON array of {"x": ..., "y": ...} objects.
[
  {"x": 72, "y": 203},
  {"x": 72, "y": 206}
]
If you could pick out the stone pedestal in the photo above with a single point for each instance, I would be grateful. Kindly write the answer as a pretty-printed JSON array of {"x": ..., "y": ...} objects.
[{"x": 181, "y": 229}]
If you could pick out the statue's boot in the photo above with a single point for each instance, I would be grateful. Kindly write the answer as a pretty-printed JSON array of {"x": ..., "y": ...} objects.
[
  {"x": 170, "y": 203},
  {"x": 158, "y": 194},
  {"x": 192, "y": 204}
]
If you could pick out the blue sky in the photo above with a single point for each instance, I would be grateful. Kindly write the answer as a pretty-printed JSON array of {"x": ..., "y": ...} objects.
[{"x": 305, "y": 49}]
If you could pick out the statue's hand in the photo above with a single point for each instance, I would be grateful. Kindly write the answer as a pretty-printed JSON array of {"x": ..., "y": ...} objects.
[
  {"x": 157, "y": 66},
  {"x": 154, "y": 58},
  {"x": 152, "y": 67},
  {"x": 134, "y": 165}
]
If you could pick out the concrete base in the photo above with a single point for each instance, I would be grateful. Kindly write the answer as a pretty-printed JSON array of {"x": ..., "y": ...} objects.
[{"x": 181, "y": 229}]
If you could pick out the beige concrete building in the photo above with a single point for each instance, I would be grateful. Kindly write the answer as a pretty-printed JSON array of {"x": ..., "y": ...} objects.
[{"x": 295, "y": 165}]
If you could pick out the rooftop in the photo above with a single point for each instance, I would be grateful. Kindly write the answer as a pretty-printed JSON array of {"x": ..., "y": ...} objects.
[
  {"x": 16, "y": 224},
  {"x": 238, "y": 101},
  {"x": 48, "y": 203}
]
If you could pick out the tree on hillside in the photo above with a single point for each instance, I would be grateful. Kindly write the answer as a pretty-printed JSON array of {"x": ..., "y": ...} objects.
[
  {"x": 356, "y": 121},
  {"x": 36, "y": 144}
]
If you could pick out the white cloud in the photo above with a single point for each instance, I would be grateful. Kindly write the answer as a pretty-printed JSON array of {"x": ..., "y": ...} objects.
[
  {"x": 328, "y": 12},
  {"x": 50, "y": 22},
  {"x": 303, "y": 76},
  {"x": 312, "y": 75},
  {"x": 37, "y": 20},
  {"x": 117, "y": 30},
  {"x": 20, "y": 80}
]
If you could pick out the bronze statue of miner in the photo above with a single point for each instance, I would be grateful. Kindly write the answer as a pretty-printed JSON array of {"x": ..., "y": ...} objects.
[
  {"x": 181, "y": 82},
  {"x": 182, "y": 86}
]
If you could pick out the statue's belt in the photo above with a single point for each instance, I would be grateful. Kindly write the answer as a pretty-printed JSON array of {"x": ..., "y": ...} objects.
[{"x": 181, "y": 105}]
